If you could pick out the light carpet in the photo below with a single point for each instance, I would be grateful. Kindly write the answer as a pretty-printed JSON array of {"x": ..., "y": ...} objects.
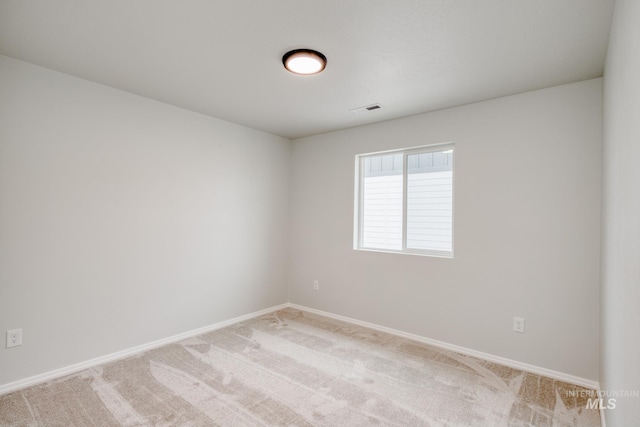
[{"x": 293, "y": 368}]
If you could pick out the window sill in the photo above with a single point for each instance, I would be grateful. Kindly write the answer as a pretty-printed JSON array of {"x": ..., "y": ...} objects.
[{"x": 434, "y": 254}]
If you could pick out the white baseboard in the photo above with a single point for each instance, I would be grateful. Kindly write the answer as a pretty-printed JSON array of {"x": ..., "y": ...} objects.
[
  {"x": 38, "y": 379},
  {"x": 458, "y": 349}
]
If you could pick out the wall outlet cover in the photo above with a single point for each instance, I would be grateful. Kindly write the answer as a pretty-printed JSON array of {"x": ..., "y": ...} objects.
[
  {"x": 14, "y": 338},
  {"x": 518, "y": 325}
]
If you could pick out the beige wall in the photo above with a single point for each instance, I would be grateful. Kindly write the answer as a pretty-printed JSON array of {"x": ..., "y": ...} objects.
[
  {"x": 124, "y": 220},
  {"x": 526, "y": 229},
  {"x": 620, "y": 306}
]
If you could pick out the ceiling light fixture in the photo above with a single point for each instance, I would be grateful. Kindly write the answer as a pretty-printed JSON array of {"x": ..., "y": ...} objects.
[{"x": 304, "y": 61}]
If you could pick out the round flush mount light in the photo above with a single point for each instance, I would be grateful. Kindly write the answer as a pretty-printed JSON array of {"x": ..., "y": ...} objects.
[{"x": 304, "y": 61}]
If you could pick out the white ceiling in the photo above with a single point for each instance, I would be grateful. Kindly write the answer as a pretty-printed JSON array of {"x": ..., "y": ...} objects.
[{"x": 223, "y": 57}]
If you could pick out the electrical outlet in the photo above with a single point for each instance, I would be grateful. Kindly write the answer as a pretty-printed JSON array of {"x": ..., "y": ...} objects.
[
  {"x": 14, "y": 338},
  {"x": 518, "y": 325},
  {"x": 316, "y": 285}
]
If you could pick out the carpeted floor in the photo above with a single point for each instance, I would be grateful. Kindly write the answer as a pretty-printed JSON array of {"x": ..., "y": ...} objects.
[{"x": 292, "y": 368}]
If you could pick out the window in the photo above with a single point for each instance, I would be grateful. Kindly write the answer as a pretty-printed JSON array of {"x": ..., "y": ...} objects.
[{"x": 404, "y": 201}]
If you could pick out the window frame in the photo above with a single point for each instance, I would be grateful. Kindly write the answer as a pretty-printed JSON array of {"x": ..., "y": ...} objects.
[{"x": 358, "y": 229}]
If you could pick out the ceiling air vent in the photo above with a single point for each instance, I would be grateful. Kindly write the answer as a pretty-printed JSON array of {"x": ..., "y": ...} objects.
[{"x": 366, "y": 109}]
